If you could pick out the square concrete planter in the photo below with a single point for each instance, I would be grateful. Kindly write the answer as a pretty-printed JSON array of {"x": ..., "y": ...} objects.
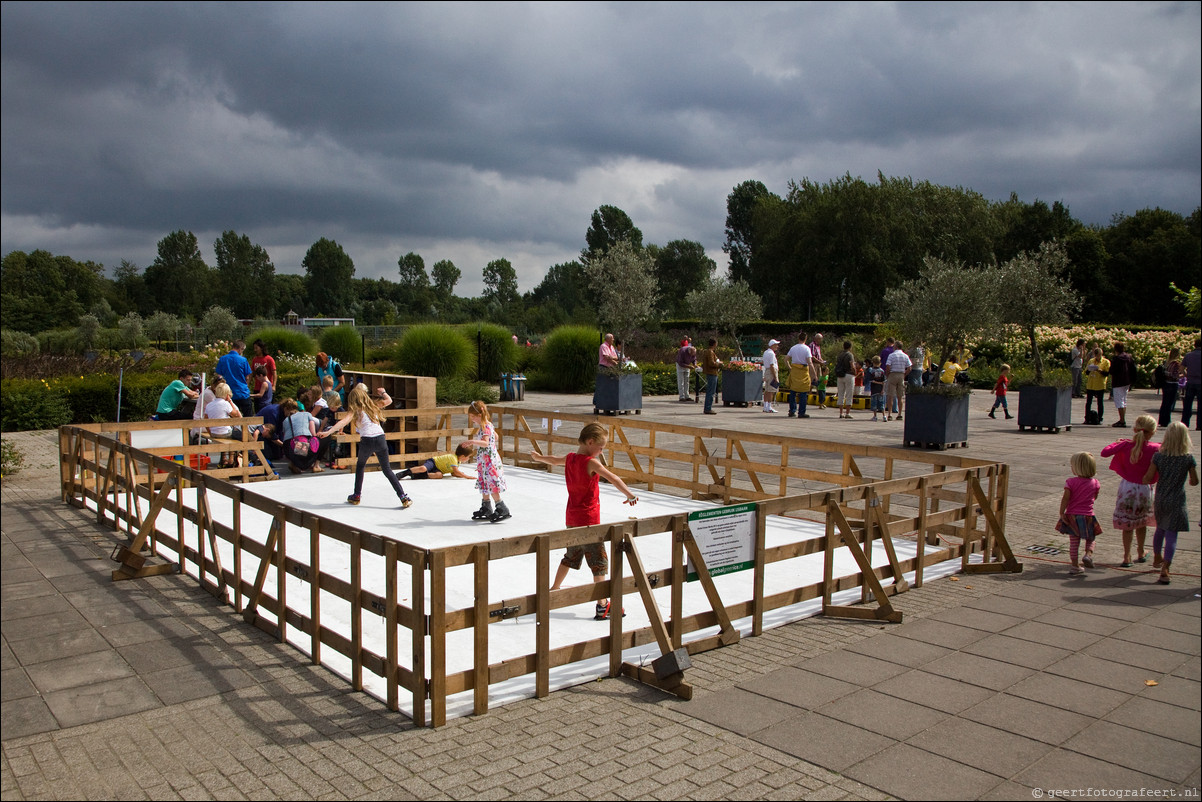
[
  {"x": 934, "y": 420},
  {"x": 621, "y": 393},
  {"x": 1047, "y": 409},
  {"x": 742, "y": 388}
]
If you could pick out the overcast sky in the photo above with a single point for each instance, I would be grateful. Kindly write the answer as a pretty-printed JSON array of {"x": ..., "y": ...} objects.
[{"x": 473, "y": 132}]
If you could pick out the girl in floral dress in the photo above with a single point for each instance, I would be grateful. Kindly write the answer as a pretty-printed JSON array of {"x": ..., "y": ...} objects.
[
  {"x": 490, "y": 472},
  {"x": 1133, "y": 506}
]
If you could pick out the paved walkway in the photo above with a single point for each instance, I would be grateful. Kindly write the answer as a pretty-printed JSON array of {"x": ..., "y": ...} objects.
[{"x": 993, "y": 687}]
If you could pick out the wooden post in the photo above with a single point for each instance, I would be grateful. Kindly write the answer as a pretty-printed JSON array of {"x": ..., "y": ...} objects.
[
  {"x": 357, "y": 610},
  {"x": 614, "y": 539},
  {"x": 438, "y": 637},
  {"x": 542, "y": 616},
  {"x": 920, "y": 559},
  {"x": 480, "y": 625},
  {"x": 679, "y": 530},
  {"x": 315, "y": 592},
  {"x": 417, "y": 582},
  {"x": 390, "y": 623}
]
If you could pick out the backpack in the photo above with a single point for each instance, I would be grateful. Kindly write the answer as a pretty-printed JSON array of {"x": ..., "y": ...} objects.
[
  {"x": 1159, "y": 377},
  {"x": 1091, "y": 417}
]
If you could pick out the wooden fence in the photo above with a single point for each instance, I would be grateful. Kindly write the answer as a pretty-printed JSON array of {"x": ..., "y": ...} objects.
[{"x": 952, "y": 505}]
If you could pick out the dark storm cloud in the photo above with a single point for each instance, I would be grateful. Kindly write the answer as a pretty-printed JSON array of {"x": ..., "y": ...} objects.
[{"x": 474, "y": 131}]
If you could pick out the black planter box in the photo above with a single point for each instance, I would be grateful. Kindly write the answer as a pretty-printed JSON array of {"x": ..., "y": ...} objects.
[
  {"x": 623, "y": 393},
  {"x": 742, "y": 388},
  {"x": 1049, "y": 409},
  {"x": 936, "y": 421}
]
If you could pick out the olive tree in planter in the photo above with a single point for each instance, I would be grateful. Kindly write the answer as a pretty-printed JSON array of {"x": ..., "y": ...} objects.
[
  {"x": 1040, "y": 294},
  {"x": 949, "y": 303},
  {"x": 623, "y": 280},
  {"x": 726, "y": 305}
]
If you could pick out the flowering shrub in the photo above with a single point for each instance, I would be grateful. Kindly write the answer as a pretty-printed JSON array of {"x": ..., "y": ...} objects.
[
  {"x": 742, "y": 367},
  {"x": 1148, "y": 348}
]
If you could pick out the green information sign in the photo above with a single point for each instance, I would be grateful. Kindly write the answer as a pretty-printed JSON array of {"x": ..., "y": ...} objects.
[{"x": 726, "y": 538}]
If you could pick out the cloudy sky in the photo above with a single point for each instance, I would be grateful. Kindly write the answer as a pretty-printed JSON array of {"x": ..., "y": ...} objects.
[{"x": 476, "y": 131}]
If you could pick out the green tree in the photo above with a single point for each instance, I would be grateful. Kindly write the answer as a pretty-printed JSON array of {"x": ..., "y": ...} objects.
[
  {"x": 1036, "y": 292},
  {"x": 179, "y": 280},
  {"x": 290, "y": 295},
  {"x": 740, "y": 227},
  {"x": 88, "y": 330},
  {"x": 1149, "y": 250},
  {"x": 949, "y": 303},
  {"x": 414, "y": 284},
  {"x": 161, "y": 326},
  {"x": 500, "y": 283},
  {"x": 609, "y": 226},
  {"x": 41, "y": 291},
  {"x": 218, "y": 323},
  {"x": 681, "y": 266},
  {"x": 623, "y": 281},
  {"x": 725, "y": 305},
  {"x": 130, "y": 288},
  {"x": 130, "y": 327},
  {"x": 328, "y": 274},
  {"x": 245, "y": 274},
  {"x": 446, "y": 276}
]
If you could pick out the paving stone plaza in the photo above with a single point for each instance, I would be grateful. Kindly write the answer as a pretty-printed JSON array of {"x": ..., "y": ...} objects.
[{"x": 1005, "y": 686}]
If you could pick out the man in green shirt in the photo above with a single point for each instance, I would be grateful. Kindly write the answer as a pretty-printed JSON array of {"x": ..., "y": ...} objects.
[{"x": 171, "y": 401}]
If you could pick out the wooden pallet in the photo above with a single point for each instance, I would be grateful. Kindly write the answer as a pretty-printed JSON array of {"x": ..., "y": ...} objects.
[
  {"x": 1046, "y": 429},
  {"x": 936, "y": 446}
]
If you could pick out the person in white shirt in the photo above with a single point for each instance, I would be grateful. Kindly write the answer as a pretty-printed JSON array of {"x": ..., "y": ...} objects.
[
  {"x": 771, "y": 375},
  {"x": 896, "y": 368},
  {"x": 801, "y": 377}
]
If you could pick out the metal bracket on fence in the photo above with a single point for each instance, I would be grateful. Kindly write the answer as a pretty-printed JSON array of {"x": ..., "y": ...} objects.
[{"x": 505, "y": 612}]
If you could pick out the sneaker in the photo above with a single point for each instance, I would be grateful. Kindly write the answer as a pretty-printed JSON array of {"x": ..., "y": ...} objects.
[
  {"x": 1075, "y": 571},
  {"x": 803, "y": 416},
  {"x": 352, "y": 499},
  {"x": 602, "y": 611},
  {"x": 1087, "y": 561},
  {"x": 406, "y": 503}
]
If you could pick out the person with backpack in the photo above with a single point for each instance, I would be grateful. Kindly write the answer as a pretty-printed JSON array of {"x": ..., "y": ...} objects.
[{"x": 1166, "y": 378}]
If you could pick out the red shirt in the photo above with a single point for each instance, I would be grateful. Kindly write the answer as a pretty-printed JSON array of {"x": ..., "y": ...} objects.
[
  {"x": 1002, "y": 382},
  {"x": 584, "y": 494}
]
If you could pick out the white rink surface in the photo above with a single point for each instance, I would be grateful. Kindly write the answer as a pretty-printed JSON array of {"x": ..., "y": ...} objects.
[{"x": 441, "y": 516}]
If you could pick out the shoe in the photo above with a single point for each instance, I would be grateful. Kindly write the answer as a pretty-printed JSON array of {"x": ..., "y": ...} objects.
[
  {"x": 1157, "y": 561},
  {"x": 484, "y": 513},
  {"x": 1163, "y": 580},
  {"x": 1008, "y": 416},
  {"x": 710, "y": 412},
  {"x": 803, "y": 416},
  {"x": 992, "y": 415},
  {"x": 792, "y": 414},
  {"x": 602, "y": 611},
  {"x": 899, "y": 417},
  {"x": 352, "y": 499},
  {"x": 1087, "y": 561},
  {"x": 1118, "y": 425},
  {"x": 501, "y": 514},
  {"x": 406, "y": 503},
  {"x": 1075, "y": 571},
  {"x": 1124, "y": 565}
]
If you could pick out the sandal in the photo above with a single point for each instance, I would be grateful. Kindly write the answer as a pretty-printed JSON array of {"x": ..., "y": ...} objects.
[{"x": 1163, "y": 580}]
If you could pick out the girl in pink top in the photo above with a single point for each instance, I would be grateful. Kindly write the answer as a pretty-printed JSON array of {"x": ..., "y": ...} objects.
[
  {"x": 1130, "y": 459},
  {"x": 1076, "y": 510}
]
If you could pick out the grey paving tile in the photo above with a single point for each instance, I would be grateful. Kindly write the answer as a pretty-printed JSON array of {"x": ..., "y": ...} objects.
[
  {"x": 934, "y": 691},
  {"x": 1109, "y": 608},
  {"x": 1174, "y": 690},
  {"x": 100, "y": 701},
  {"x": 1006, "y": 649},
  {"x": 1104, "y": 673},
  {"x": 1137, "y": 750},
  {"x": 1190, "y": 669},
  {"x": 146, "y": 658},
  {"x": 804, "y": 689},
  {"x": 34, "y": 587},
  {"x": 34, "y": 606},
  {"x": 67, "y": 644},
  {"x": 737, "y": 710},
  {"x": 1051, "y": 772},
  {"x": 45, "y": 626},
  {"x": 911, "y": 773},
  {"x": 1168, "y": 721},
  {"x": 986, "y": 748},
  {"x": 978, "y": 670},
  {"x": 1161, "y": 638},
  {"x": 896, "y": 649},
  {"x": 832, "y": 744},
  {"x": 851, "y": 667},
  {"x": 143, "y": 631},
  {"x": 878, "y": 712},
  {"x": 1030, "y": 719},
  {"x": 15, "y": 684},
  {"x": 81, "y": 670},
  {"x": 1069, "y": 693},
  {"x": 1140, "y": 655},
  {"x": 1085, "y": 622},
  {"x": 1004, "y": 605},
  {"x": 1167, "y": 619},
  {"x": 940, "y": 633},
  {"x": 26, "y": 716},
  {"x": 1051, "y": 635},
  {"x": 986, "y": 620},
  {"x": 186, "y": 683}
]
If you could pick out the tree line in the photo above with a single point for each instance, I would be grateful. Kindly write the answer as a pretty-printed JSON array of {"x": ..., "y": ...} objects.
[{"x": 828, "y": 251}]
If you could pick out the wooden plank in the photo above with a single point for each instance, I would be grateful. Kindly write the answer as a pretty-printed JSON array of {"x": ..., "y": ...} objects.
[
  {"x": 390, "y": 622},
  {"x": 357, "y": 612},
  {"x": 866, "y": 572},
  {"x": 417, "y": 590},
  {"x": 616, "y": 601},
  {"x": 542, "y": 613},
  {"x": 438, "y": 638},
  {"x": 640, "y": 580},
  {"x": 679, "y": 530},
  {"x": 728, "y": 633},
  {"x": 315, "y": 593},
  {"x": 480, "y": 632}
]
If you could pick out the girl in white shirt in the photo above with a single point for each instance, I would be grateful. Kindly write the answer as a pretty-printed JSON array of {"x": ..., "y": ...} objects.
[{"x": 365, "y": 412}]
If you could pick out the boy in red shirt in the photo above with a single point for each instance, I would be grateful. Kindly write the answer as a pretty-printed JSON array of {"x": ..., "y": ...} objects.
[
  {"x": 999, "y": 390},
  {"x": 582, "y": 470}
]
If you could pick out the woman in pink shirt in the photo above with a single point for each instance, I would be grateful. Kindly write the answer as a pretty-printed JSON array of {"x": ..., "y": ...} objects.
[{"x": 1133, "y": 507}]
